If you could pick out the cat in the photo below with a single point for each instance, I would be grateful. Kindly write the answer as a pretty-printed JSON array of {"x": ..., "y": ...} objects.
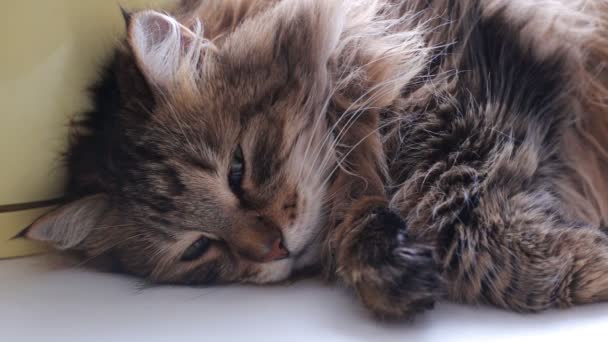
[{"x": 412, "y": 150}]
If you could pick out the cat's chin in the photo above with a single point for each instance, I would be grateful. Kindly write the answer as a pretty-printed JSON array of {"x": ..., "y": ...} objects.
[
  {"x": 302, "y": 240},
  {"x": 272, "y": 272}
]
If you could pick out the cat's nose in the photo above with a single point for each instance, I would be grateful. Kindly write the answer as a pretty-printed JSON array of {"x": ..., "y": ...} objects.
[
  {"x": 258, "y": 240},
  {"x": 277, "y": 252}
]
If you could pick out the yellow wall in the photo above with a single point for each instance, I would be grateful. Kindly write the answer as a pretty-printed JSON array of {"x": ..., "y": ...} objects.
[{"x": 50, "y": 52}]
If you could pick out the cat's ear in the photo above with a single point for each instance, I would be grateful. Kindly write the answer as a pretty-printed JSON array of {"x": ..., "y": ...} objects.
[
  {"x": 69, "y": 225},
  {"x": 166, "y": 51}
]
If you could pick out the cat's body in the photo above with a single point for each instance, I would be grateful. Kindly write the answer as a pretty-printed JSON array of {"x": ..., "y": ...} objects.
[{"x": 412, "y": 149}]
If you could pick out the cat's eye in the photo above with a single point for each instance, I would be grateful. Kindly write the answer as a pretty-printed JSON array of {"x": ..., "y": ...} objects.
[
  {"x": 196, "y": 250},
  {"x": 237, "y": 168}
]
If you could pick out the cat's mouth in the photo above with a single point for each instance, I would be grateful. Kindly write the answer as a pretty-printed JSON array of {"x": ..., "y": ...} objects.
[
  {"x": 305, "y": 257},
  {"x": 303, "y": 243}
]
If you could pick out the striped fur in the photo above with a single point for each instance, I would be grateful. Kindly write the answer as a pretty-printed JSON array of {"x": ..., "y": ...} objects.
[{"x": 414, "y": 150}]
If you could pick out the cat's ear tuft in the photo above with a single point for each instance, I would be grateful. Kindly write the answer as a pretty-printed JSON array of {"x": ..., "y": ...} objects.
[
  {"x": 69, "y": 225},
  {"x": 166, "y": 51},
  {"x": 126, "y": 15}
]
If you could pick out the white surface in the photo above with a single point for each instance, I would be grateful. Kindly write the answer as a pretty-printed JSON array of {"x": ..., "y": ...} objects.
[{"x": 43, "y": 299}]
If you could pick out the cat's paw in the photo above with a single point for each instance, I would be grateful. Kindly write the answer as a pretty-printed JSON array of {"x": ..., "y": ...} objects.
[
  {"x": 406, "y": 284},
  {"x": 394, "y": 277}
]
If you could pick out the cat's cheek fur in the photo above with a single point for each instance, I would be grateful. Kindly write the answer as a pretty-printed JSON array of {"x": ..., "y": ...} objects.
[
  {"x": 306, "y": 165},
  {"x": 301, "y": 238},
  {"x": 271, "y": 272}
]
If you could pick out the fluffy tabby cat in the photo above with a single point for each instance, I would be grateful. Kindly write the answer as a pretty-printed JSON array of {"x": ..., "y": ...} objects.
[{"x": 414, "y": 150}]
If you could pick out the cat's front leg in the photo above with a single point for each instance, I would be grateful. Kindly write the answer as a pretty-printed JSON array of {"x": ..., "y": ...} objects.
[
  {"x": 368, "y": 247},
  {"x": 393, "y": 276}
]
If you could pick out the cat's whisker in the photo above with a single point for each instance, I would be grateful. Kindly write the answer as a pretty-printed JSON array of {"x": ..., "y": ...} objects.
[
  {"x": 353, "y": 118},
  {"x": 357, "y": 144},
  {"x": 318, "y": 120},
  {"x": 351, "y": 121},
  {"x": 320, "y": 116},
  {"x": 115, "y": 226}
]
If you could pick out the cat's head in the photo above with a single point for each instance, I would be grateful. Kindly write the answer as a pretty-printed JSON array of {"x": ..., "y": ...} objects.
[{"x": 210, "y": 162}]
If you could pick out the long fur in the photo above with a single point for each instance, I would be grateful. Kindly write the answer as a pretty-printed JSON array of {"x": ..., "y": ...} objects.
[
  {"x": 412, "y": 149},
  {"x": 586, "y": 141}
]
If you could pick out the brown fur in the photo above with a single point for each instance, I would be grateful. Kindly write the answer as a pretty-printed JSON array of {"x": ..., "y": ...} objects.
[
  {"x": 586, "y": 142},
  {"x": 415, "y": 150}
]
